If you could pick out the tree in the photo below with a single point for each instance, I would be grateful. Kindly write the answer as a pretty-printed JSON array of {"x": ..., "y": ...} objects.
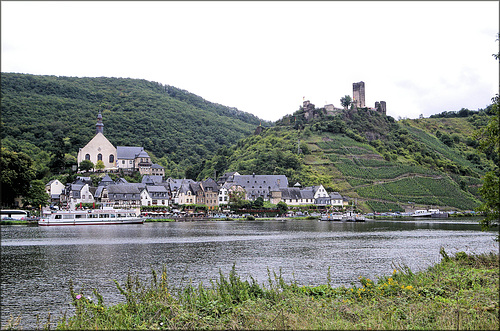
[
  {"x": 36, "y": 195},
  {"x": 258, "y": 203},
  {"x": 489, "y": 139},
  {"x": 282, "y": 207},
  {"x": 346, "y": 101},
  {"x": 16, "y": 173},
  {"x": 86, "y": 165},
  {"x": 99, "y": 165}
]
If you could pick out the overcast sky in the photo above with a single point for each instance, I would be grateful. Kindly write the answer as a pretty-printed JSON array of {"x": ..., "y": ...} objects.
[{"x": 265, "y": 57}]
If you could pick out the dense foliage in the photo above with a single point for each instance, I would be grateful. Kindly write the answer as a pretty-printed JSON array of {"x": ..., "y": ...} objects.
[
  {"x": 460, "y": 292},
  {"x": 386, "y": 164},
  {"x": 50, "y": 118}
]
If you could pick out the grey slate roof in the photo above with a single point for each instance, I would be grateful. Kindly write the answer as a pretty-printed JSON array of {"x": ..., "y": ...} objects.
[
  {"x": 143, "y": 154},
  {"x": 152, "y": 179},
  {"x": 209, "y": 185},
  {"x": 259, "y": 185},
  {"x": 106, "y": 180},
  {"x": 290, "y": 193},
  {"x": 156, "y": 166},
  {"x": 274, "y": 182},
  {"x": 335, "y": 196},
  {"x": 128, "y": 152},
  {"x": 307, "y": 194},
  {"x": 129, "y": 188}
]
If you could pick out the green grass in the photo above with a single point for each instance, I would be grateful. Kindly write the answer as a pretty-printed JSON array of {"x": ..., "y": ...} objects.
[{"x": 460, "y": 292}]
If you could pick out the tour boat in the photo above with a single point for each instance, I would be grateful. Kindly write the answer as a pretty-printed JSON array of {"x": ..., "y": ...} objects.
[
  {"x": 434, "y": 213},
  {"x": 91, "y": 217}
]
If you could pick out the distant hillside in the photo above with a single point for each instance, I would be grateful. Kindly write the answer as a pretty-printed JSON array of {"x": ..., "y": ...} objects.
[
  {"x": 384, "y": 164},
  {"x": 177, "y": 127}
]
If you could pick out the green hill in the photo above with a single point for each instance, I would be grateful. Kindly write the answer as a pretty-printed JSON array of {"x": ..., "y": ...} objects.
[
  {"x": 47, "y": 113},
  {"x": 384, "y": 164}
]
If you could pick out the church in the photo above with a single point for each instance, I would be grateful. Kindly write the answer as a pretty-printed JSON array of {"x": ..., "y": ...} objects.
[{"x": 125, "y": 158}]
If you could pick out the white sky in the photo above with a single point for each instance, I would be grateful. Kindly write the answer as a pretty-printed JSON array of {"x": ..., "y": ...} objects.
[{"x": 264, "y": 57}]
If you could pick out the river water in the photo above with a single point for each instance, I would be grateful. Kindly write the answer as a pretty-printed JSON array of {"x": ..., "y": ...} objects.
[{"x": 38, "y": 262}]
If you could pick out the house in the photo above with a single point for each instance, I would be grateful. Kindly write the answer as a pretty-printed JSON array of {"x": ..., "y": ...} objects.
[
  {"x": 295, "y": 196},
  {"x": 336, "y": 200},
  {"x": 54, "y": 188},
  {"x": 158, "y": 194},
  {"x": 259, "y": 185},
  {"x": 101, "y": 194},
  {"x": 76, "y": 194},
  {"x": 291, "y": 196},
  {"x": 125, "y": 195},
  {"x": 157, "y": 170},
  {"x": 227, "y": 190},
  {"x": 185, "y": 194},
  {"x": 211, "y": 193},
  {"x": 152, "y": 180},
  {"x": 128, "y": 158},
  {"x": 321, "y": 196},
  {"x": 174, "y": 185}
]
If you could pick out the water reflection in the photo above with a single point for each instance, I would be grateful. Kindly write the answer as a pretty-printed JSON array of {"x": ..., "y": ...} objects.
[{"x": 38, "y": 262}]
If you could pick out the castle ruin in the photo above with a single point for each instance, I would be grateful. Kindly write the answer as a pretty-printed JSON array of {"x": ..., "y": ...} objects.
[{"x": 358, "y": 94}]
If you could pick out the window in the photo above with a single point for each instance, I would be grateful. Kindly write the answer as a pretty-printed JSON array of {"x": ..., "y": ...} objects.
[
  {"x": 111, "y": 158},
  {"x": 99, "y": 157},
  {"x": 123, "y": 161},
  {"x": 87, "y": 157}
]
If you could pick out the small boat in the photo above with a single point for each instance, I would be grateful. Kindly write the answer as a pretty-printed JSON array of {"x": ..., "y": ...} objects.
[
  {"x": 103, "y": 216},
  {"x": 350, "y": 216},
  {"x": 331, "y": 217}
]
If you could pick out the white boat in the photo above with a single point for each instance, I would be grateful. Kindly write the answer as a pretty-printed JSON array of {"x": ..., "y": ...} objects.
[
  {"x": 91, "y": 217},
  {"x": 346, "y": 217},
  {"x": 429, "y": 213}
]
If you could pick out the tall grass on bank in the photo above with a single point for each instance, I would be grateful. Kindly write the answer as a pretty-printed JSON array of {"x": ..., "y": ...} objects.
[{"x": 460, "y": 292}]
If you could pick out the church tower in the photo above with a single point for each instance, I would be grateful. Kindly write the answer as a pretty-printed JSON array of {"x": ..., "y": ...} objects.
[{"x": 99, "y": 127}]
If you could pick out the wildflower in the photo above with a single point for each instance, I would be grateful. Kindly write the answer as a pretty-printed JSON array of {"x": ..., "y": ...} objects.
[
  {"x": 409, "y": 287},
  {"x": 79, "y": 296}
]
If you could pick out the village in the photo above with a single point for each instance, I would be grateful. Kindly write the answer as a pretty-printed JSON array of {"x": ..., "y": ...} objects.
[{"x": 155, "y": 190}]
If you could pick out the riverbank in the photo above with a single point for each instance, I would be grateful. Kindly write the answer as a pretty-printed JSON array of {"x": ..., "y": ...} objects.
[{"x": 460, "y": 292}]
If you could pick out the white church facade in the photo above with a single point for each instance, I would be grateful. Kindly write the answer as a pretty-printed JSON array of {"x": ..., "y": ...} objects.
[{"x": 114, "y": 158}]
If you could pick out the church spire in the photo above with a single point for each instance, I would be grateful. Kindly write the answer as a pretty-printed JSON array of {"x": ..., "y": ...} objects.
[{"x": 99, "y": 127}]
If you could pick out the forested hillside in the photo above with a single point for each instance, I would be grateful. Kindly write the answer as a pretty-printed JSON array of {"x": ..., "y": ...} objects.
[
  {"x": 44, "y": 115},
  {"x": 384, "y": 164}
]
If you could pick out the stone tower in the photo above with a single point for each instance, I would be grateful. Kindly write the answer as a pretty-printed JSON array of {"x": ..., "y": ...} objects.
[
  {"x": 358, "y": 94},
  {"x": 381, "y": 107},
  {"x": 99, "y": 127}
]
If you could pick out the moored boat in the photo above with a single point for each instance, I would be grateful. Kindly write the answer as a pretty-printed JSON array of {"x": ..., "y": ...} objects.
[{"x": 91, "y": 217}]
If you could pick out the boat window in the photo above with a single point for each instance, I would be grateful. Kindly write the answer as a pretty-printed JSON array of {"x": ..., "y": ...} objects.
[
  {"x": 112, "y": 215},
  {"x": 105, "y": 216},
  {"x": 58, "y": 217},
  {"x": 68, "y": 216},
  {"x": 131, "y": 215},
  {"x": 80, "y": 216}
]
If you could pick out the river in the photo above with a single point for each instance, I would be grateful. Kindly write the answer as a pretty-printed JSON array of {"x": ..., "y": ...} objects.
[{"x": 38, "y": 262}]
